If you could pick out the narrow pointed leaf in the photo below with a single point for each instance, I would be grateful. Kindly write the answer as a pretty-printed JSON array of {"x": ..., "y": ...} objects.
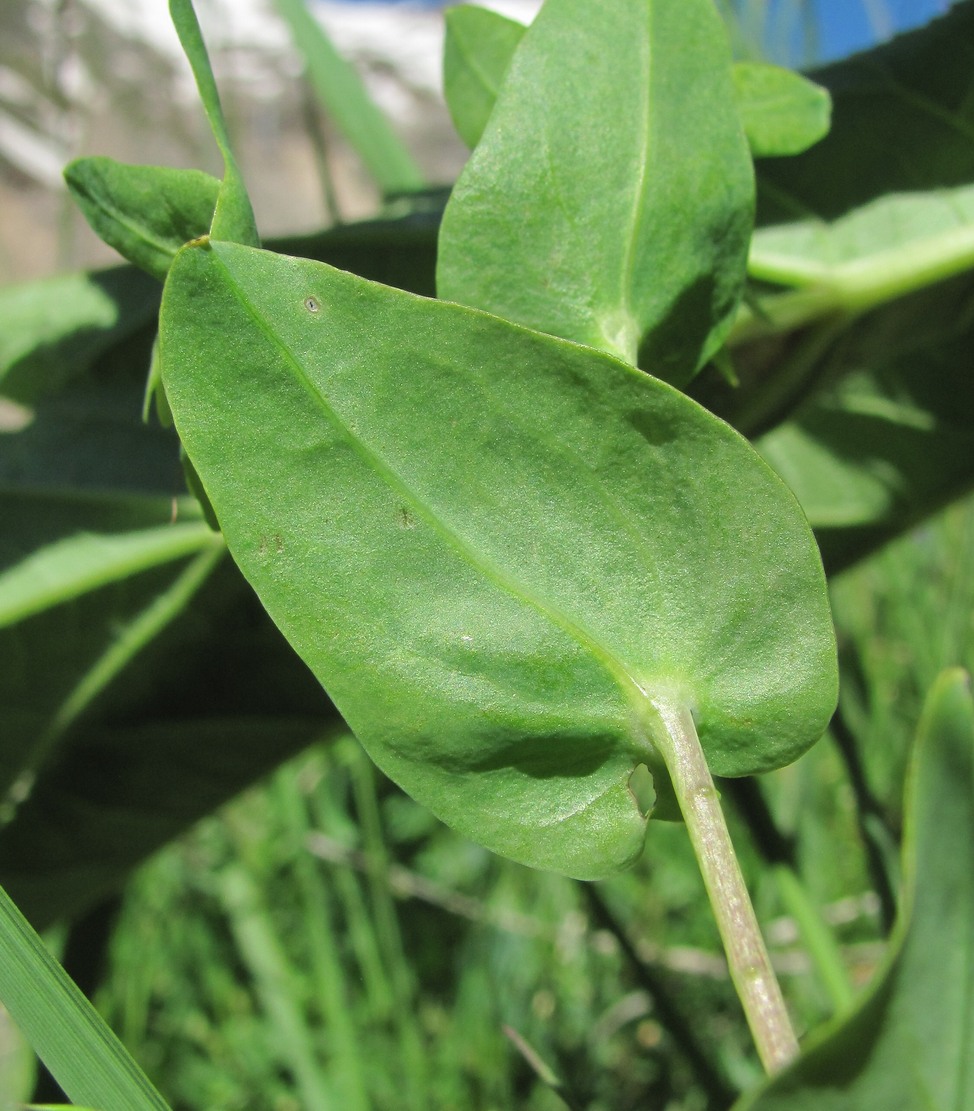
[
  {"x": 347, "y": 101},
  {"x": 783, "y": 113},
  {"x": 494, "y": 561},
  {"x": 145, "y": 212},
  {"x": 234, "y": 217},
  {"x": 68, "y": 1034},
  {"x": 598, "y": 206},
  {"x": 909, "y": 1043}
]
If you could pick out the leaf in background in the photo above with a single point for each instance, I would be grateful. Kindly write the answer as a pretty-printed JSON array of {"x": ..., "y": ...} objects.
[
  {"x": 74, "y": 565},
  {"x": 81, "y": 1052},
  {"x": 348, "y": 103},
  {"x": 145, "y": 212},
  {"x": 783, "y": 113},
  {"x": 598, "y": 206},
  {"x": 494, "y": 562},
  {"x": 149, "y": 662},
  {"x": 55, "y": 329},
  {"x": 890, "y": 182},
  {"x": 908, "y": 1043},
  {"x": 902, "y": 121},
  {"x": 479, "y": 46},
  {"x": 888, "y": 435},
  {"x": 233, "y": 217},
  {"x": 887, "y": 445}
]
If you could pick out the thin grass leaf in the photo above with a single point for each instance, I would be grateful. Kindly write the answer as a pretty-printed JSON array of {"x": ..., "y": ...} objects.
[
  {"x": 234, "y": 216},
  {"x": 348, "y": 103},
  {"x": 68, "y": 1034}
]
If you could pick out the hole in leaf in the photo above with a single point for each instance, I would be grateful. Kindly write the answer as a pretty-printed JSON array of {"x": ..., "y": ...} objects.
[{"x": 643, "y": 789}]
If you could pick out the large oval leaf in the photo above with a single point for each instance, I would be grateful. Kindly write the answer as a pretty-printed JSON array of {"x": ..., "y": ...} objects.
[
  {"x": 610, "y": 200},
  {"x": 494, "y": 548}
]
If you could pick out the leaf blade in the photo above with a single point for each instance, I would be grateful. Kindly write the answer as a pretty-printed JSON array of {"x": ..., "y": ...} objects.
[
  {"x": 418, "y": 602},
  {"x": 643, "y": 244},
  {"x": 82, "y": 1053}
]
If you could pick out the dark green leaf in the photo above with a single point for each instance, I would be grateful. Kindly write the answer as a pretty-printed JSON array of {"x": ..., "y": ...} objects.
[
  {"x": 494, "y": 564},
  {"x": 908, "y": 1045},
  {"x": 600, "y": 207},
  {"x": 53, "y": 330},
  {"x": 902, "y": 121},
  {"x": 478, "y": 50},
  {"x": 783, "y": 113},
  {"x": 145, "y": 212}
]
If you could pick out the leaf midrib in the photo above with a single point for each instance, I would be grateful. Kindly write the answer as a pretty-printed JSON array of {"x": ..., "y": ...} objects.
[{"x": 619, "y": 671}]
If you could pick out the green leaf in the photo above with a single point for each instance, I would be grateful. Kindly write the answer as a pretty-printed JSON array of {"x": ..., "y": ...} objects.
[
  {"x": 479, "y": 46},
  {"x": 233, "y": 217},
  {"x": 783, "y": 113},
  {"x": 495, "y": 548},
  {"x": 348, "y": 103},
  {"x": 82, "y": 1054},
  {"x": 53, "y": 330},
  {"x": 908, "y": 1044},
  {"x": 85, "y": 561},
  {"x": 600, "y": 207},
  {"x": 902, "y": 121},
  {"x": 145, "y": 212},
  {"x": 886, "y": 437}
]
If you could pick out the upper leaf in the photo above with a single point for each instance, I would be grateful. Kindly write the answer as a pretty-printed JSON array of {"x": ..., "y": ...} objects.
[
  {"x": 610, "y": 198},
  {"x": 495, "y": 548},
  {"x": 783, "y": 113},
  {"x": 477, "y": 52},
  {"x": 233, "y": 217},
  {"x": 908, "y": 1045},
  {"x": 145, "y": 212}
]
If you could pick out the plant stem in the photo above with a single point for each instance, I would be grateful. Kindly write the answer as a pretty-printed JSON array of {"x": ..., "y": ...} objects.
[{"x": 750, "y": 967}]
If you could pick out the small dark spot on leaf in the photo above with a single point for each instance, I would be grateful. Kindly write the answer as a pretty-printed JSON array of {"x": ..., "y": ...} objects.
[
  {"x": 406, "y": 519},
  {"x": 312, "y": 304}
]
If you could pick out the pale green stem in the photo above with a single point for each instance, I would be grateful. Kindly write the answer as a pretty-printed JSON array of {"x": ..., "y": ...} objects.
[
  {"x": 750, "y": 967},
  {"x": 849, "y": 288}
]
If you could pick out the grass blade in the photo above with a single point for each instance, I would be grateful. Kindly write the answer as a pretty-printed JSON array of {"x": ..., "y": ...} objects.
[
  {"x": 348, "y": 103},
  {"x": 81, "y": 1052}
]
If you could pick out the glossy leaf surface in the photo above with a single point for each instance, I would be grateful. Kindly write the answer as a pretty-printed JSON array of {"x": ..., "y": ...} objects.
[
  {"x": 600, "y": 207},
  {"x": 908, "y": 1045},
  {"x": 494, "y": 547}
]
